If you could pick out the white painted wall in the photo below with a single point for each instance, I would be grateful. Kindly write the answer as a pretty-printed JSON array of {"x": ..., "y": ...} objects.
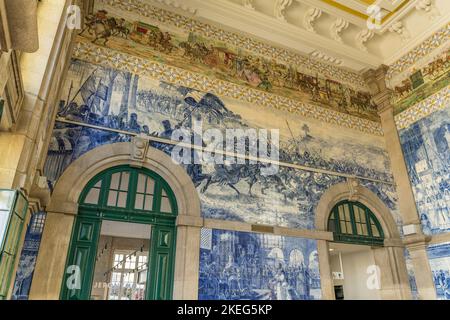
[{"x": 355, "y": 265}]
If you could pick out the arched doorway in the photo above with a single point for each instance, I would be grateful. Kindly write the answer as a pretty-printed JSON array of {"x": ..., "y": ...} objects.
[
  {"x": 356, "y": 230},
  {"x": 129, "y": 195},
  {"x": 366, "y": 231}
]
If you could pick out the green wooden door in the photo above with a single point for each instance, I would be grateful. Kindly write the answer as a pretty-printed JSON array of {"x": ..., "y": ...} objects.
[
  {"x": 77, "y": 281},
  {"x": 161, "y": 265}
]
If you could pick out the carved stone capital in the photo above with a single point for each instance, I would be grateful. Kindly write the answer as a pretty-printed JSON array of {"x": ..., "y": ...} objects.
[{"x": 40, "y": 190}]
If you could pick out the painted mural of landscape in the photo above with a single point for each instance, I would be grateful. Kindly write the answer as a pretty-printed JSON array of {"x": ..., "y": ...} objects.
[
  {"x": 250, "y": 266},
  {"x": 113, "y": 100},
  {"x": 439, "y": 256},
  {"x": 217, "y": 59},
  {"x": 423, "y": 83},
  {"x": 426, "y": 148}
]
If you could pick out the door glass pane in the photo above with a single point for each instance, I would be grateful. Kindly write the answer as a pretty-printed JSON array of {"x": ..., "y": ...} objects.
[
  {"x": 122, "y": 203},
  {"x": 349, "y": 228},
  {"x": 141, "y": 183},
  {"x": 148, "y": 203},
  {"x": 150, "y": 186},
  {"x": 112, "y": 198},
  {"x": 341, "y": 213},
  {"x": 347, "y": 212},
  {"x": 364, "y": 230},
  {"x": 115, "y": 178},
  {"x": 92, "y": 196},
  {"x": 375, "y": 232},
  {"x": 124, "y": 181},
  {"x": 343, "y": 228},
  {"x": 165, "y": 205},
  {"x": 139, "y": 203},
  {"x": 121, "y": 262}
]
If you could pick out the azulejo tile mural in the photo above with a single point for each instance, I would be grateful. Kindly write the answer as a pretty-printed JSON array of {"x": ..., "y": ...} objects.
[
  {"x": 28, "y": 257},
  {"x": 411, "y": 275},
  {"x": 118, "y": 102},
  {"x": 426, "y": 148},
  {"x": 87, "y": 51},
  {"x": 250, "y": 266},
  {"x": 439, "y": 256},
  {"x": 222, "y": 61}
]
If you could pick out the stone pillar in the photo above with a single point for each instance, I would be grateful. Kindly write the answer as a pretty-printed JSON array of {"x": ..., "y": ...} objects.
[
  {"x": 51, "y": 261},
  {"x": 21, "y": 33},
  {"x": 417, "y": 247},
  {"x": 326, "y": 279},
  {"x": 393, "y": 277},
  {"x": 406, "y": 201},
  {"x": 382, "y": 98},
  {"x": 187, "y": 260}
]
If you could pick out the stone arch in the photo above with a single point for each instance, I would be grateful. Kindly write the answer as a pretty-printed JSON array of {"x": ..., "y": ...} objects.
[
  {"x": 63, "y": 208},
  {"x": 351, "y": 190},
  {"x": 390, "y": 258},
  {"x": 73, "y": 180}
]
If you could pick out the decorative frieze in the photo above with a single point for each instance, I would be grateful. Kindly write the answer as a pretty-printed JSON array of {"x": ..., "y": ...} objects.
[
  {"x": 440, "y": 38},
  {"x": 119, "y": 60},
  {"x": 302, "y": 63}
]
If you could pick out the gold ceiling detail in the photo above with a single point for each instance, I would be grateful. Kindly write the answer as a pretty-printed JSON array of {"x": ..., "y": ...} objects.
[{"x": 366, "y": 3}]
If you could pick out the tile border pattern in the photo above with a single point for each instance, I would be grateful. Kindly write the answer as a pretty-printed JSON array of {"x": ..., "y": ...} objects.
[
  {"x": 438, "y": 39},
  {"x": 85, "y": 50},
  {"x": 303, "y": 63},
  {"x": 436, "y": 102}
]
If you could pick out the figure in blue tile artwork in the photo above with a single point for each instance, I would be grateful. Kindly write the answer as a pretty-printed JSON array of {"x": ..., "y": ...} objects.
[
  {"x": 411, "y": 275},
  {"x": 106, "y": 99},
  {"x": 426, "y": 147},
  {"x": 242, "y": 266},
  {"x": 439, "y": 257},
  {"x": 28, "y": 256}
]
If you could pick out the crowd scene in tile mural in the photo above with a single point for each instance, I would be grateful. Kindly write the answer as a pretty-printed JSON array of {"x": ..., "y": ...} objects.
[
  {"x": 440, "y": 266},
  {"x": 223, "y": 62},
  {"x": 426, "y": 148},
  {"x": 124, "y": 102},
  {"x": 238, "y": 265}
]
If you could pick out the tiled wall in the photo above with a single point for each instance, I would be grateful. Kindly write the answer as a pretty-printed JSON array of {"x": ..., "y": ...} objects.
[
  {"x": 439, "y": 256},
  {"x": 426, "y": 148},
  {"x": 242, "y": 266}
]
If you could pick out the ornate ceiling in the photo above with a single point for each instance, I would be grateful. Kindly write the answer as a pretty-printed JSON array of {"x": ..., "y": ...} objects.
[{"x": 332, "y": 31}]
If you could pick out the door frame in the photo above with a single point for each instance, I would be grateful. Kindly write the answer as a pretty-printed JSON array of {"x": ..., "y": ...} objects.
[{"x": 85, "y": 236}]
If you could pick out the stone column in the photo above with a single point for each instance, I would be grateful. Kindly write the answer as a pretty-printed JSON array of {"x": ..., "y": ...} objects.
[
  {"x": 51, "y": 261},
  {"x": 326, "y": 279},
  {"x": 187, "y": 261},
  {"x": 417, "y": 247},
  {"x": 406, "y": 201},
  {"x": 393, "y": 277}
]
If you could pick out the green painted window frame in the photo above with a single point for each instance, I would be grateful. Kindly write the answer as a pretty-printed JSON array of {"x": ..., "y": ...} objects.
[
  {"x": 355, "y": 237},
  {"x": 10, "y": 243},
  {"x": 162, "y": 238}
]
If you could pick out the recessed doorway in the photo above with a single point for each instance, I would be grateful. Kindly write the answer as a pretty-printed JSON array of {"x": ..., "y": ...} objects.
[
  {"x": 354, "y": 271},
  {"x": 121, "y": 265}
]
